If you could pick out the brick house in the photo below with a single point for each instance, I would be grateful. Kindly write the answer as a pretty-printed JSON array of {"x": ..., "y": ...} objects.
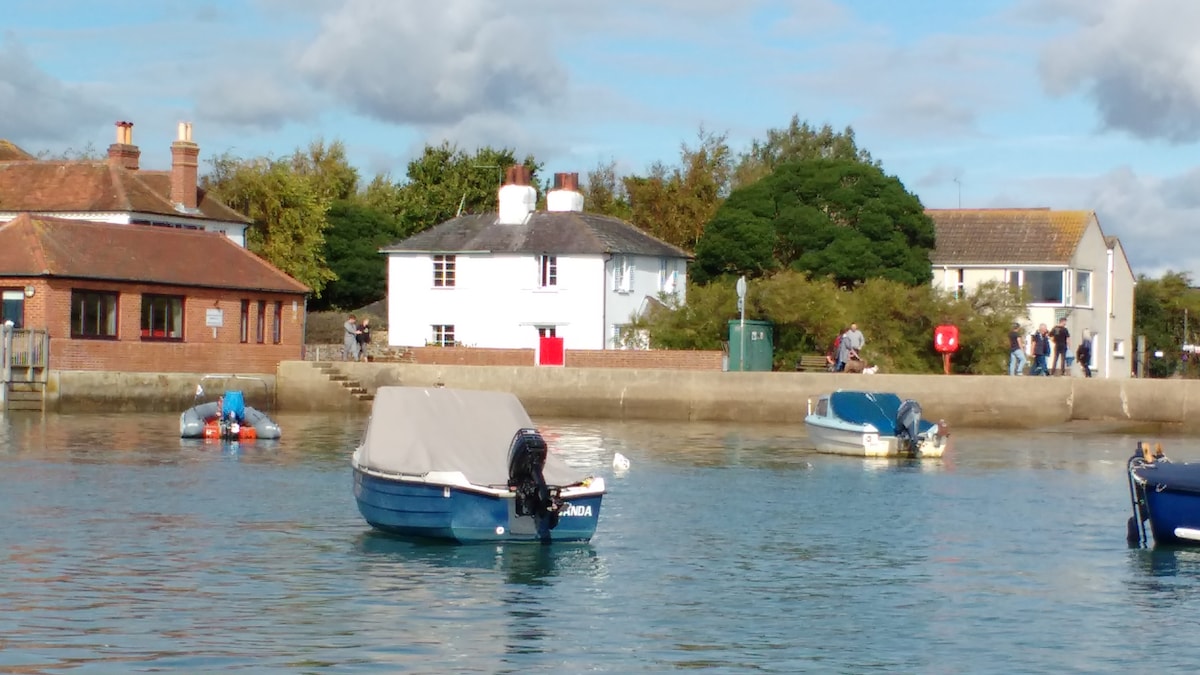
[
  {"x": 116, "y": 189},
  {"x": 147, "y": 299}
]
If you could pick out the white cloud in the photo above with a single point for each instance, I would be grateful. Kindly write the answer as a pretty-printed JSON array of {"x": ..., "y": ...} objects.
[
  {"x": 433, "y": 62},
  {"x": 1156, "y": 217},
  {"x": 1137, "y": 61},
  {"x": 37, "y": 107}
]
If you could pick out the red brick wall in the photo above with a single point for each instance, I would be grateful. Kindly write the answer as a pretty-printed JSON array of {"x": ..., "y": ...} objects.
[
  {"x": 577, "y": 358},
  {"x": 200, "y": 351}
]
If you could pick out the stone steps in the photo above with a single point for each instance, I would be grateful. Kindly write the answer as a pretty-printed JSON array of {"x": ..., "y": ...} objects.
[
  {"x": 26, "y": 396},
  {"x": 352, "y": 387}
]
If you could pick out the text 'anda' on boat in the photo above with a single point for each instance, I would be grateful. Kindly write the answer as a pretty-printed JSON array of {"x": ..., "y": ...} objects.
[{"x": 468, "y": 466}]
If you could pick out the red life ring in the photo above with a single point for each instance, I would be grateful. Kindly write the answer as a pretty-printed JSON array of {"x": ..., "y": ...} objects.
[{"x": 945, "y": 339}]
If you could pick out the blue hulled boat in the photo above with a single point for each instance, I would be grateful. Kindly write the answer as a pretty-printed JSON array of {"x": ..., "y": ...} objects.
[
  {"x": 467, "y": 466},
  {"x": 1166, "y": 495}
]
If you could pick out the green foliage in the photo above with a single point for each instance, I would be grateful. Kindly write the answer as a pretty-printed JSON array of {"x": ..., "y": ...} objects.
[
  {"x": 355, "y": 235},
  {"x": 673, "y": 204},
  {"x": 604, "y": 193},
  {"x": 327, "y": 170},
  {"x": 288, "y": 216},
  {"x": 326, "y": 327},
  {"x": 832, "y": 218},
  {"x": 798, "y": 141},
  {"x": 897, "y": 319},
  {"x": 1162, "y": 309},
  {"x": 446, "y": 181}
]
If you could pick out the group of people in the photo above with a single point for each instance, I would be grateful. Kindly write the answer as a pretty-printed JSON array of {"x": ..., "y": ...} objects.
[
  {"x": 844, "y": 354},
  {"x": 356, "y": 338},
  {"x": 1053, "y": 344}
]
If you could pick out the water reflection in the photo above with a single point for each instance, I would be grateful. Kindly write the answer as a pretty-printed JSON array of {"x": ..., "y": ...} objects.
[{"x": 521, "y": 564}]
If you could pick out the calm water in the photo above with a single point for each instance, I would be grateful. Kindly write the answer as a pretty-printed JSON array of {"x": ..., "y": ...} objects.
[{"x": 724, "y": 549}]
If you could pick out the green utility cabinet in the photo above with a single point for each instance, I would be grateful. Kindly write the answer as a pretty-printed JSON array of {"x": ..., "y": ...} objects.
[{"x": 759, "y": 343}]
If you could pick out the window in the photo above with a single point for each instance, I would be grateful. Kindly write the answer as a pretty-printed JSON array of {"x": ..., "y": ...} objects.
[
  {"x": 260, "y": 327},
  {"x": 443, "y": 271},
  {"x": 961, "y": 286},
  {"x": 547, "y": 271},
  {"x": 443, "y": 335},
  {"x": 93, "y": 314},
  {"x": 162, "y": 317},
  {"x": 622, "y": 274},
  {"x": 245, "y": 322},
  {"x": 546, "y": 331},
  {"x": 1118, "y": 349},
  {"x": 1045, "y": 286},
  {"x": 12, "y": 307},
  {"x": 1083, "y": 288},
  {"x": 666, "y": 275},
  {"x": 1014, "y": 280},
  {"x": 277, "y": 329}
]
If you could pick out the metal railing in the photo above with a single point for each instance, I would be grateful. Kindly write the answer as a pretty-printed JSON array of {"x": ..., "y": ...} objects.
[{"x": 24, "y": 354}]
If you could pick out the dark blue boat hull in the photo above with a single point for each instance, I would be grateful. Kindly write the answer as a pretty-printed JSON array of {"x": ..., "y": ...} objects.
[
  {"x": 1167, "y": 497},
  {"x": 426, "y": 510}
]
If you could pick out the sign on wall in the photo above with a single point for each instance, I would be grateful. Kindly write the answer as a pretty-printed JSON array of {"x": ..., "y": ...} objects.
[{"x": 214, "y": 318}]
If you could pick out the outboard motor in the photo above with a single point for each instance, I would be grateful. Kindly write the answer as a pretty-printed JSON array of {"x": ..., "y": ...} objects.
[
  {"x": 908, "y": 426},
  {"x": 526, "y": 461}
]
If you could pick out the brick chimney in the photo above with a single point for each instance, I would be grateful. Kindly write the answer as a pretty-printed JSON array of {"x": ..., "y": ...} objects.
[
  {"x": 518, "y": 198},
  {"x": 185, "y": 165},
  {"x": 124, "y": 152},
  {"x": 565, "y": 196}
]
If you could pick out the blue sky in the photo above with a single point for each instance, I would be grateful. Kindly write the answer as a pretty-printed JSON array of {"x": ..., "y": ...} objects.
[{"x": 1088, "y": 104}]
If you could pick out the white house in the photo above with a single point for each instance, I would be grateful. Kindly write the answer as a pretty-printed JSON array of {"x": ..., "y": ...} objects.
[
  {"x": 116, "y": 190},
  {"x": 1062, "y": 258},
  {"x": 504, "y": 279}
]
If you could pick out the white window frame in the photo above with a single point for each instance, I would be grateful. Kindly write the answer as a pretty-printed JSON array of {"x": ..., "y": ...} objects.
[
  {"x": 547, "y": 271},
  {"x": 445, "y": 270},
  {"x": 623, "y": 274},
  {"x": 443, "y": 334},
  {"x": 1083, "y": 274},
  {"x": 1063, "y": 289}
]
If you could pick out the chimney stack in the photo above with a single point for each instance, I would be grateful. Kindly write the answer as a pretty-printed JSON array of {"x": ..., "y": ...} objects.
[
  {"x": 185, "y": 165},
  {"x": 566, "y": 195},
  {"x": 124, "y": 153},
  {"x": 518, "y": 198}
]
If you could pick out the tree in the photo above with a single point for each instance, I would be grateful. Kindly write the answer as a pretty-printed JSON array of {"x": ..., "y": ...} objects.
[
  {"x": 1162, "y": 308},
  {"x": 797, "y": 141},
  {"x": 446, "y": 181},
  {"x": 327, "y": 169},
  {"x": 604, "y": 193},
  {"x": 827, "y": 217},
  {"x": 673, "y": 204},
  {"x": 356, "y": 233},
  {"x": 288, "y": 216}
]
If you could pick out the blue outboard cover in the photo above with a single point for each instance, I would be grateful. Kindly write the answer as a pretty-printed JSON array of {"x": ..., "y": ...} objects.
[
  {"x": 234, "y": 403},
  {"x": 908, "y": 422}
]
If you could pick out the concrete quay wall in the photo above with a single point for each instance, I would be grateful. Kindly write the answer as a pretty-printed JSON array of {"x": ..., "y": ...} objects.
[
  {"x": 777, "y": 397},
  {"x": 107, "y": 391}
]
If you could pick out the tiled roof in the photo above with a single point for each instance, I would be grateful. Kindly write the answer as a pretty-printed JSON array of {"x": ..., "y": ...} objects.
[
  {"x": 1007, "y": 236},
  {"x": 557, "y": 232},
  {"x": 9, "y": 152},
  {"x": 68, "y": 186},
  {"x": 43, "y": 246}
]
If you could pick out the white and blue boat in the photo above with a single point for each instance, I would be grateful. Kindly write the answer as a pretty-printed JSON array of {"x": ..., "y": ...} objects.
[
  {"x": 873, "y": 424},
  {"x": 467, "y": 466},
  {"x": 1166, "y": 498}
]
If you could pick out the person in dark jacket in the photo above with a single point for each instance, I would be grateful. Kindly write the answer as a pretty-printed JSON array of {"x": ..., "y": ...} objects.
[
  {"x": 363, "y": 338},
  {"x": 1083, "y": 354}
]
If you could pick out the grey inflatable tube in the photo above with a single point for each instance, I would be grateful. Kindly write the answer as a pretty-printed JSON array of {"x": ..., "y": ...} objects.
[{"x": 191, "y": 422}]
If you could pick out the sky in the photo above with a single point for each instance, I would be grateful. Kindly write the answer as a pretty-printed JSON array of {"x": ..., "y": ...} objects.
[{"x": 1068, "y": 104}]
